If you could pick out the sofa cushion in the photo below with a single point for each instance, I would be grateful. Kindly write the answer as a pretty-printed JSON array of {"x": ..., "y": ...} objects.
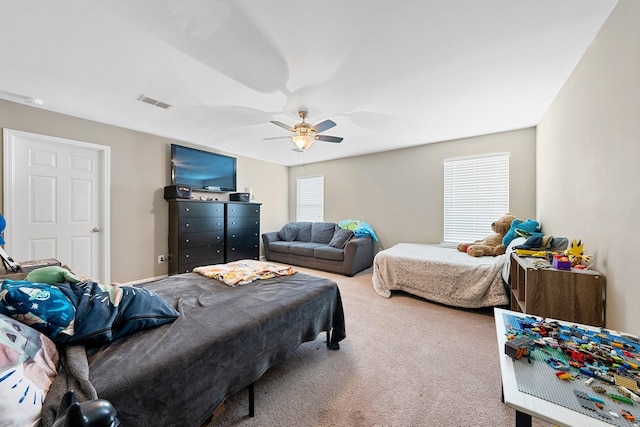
[
  {"x": 329, "y": 252},
  {"x": 288, "y": 232},
  {"x": 341, "y": 237},
  {"x": 322, "y": 232},
  {"x": 304, "y": 231},
  {"x": 303, "y": 248},
  {"x": 282, "y": 247}
]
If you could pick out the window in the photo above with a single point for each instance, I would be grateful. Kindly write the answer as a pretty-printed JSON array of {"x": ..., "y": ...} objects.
[
  {"x": 310, "y": 203},
  {"x": 476, "y": 193}
]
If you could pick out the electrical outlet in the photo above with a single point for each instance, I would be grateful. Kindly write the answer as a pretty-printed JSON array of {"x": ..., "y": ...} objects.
[{"x": 161, "y": 259}]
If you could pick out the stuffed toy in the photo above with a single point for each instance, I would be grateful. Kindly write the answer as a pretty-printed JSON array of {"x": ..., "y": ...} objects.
[
  {"x": 491, "y": 245},
  {"x": 92, "y": 413},
  {"x": 51, "y": 275},
  {"x": 519, "y": 228}
]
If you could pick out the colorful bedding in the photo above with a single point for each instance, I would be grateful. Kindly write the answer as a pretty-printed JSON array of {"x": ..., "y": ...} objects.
[{"x": 243, "y": 272}]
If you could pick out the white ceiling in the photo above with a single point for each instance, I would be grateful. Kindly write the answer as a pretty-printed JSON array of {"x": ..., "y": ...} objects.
[{"x": 391, "y": 74}]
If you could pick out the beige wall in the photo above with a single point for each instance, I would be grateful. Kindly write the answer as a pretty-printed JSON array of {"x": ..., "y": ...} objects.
[
  {"x": 588, "y": 153},
  {"x": 139, "y": 171},
  {"x": 400, "y": 193}
]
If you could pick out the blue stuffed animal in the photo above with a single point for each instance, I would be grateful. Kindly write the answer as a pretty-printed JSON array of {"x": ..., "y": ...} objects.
[{"x": 519, "y": 228}]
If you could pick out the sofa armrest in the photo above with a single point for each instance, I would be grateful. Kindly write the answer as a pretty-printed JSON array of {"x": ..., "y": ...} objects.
[
  {"x": 266, "y": 239},
  {"x": 358, "y": 255}
]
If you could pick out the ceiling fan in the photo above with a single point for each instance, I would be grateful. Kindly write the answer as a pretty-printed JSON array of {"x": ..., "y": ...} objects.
[{"x": 304, "y": 135}]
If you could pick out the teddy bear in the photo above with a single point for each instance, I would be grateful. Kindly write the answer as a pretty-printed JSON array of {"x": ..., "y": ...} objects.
[{"x": 491, "y": 245}]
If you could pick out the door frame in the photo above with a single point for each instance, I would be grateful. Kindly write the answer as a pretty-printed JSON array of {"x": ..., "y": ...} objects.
[{"x": 104, "y": 192}]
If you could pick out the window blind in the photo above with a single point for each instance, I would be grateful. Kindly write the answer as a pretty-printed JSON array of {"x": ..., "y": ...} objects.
[
  {"x": 310, "y": 198},
  {"x": 476, "y": 193}
]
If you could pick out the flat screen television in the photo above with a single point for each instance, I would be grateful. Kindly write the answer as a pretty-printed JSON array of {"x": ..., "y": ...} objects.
[{"x": 202, "y": 170}]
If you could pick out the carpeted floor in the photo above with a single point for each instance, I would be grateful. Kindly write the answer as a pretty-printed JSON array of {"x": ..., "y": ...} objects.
[{"x": 405, "y": 362}]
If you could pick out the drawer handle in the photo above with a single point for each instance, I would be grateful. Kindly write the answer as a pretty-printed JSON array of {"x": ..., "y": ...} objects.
[
  {"x": 186, "y": 240},
  {"x": 186, "y": 225},
  {"x": 186, "y": 256},
  {"x": 186, "y": 209}
]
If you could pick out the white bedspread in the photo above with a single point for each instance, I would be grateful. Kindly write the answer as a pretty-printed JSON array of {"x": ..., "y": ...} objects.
[{"x": 440, "y": 274}]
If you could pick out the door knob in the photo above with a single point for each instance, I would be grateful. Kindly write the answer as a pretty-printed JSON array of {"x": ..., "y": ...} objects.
[{"x": 96, "y": 229}]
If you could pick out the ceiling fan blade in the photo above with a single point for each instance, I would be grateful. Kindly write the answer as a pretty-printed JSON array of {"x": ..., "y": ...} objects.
[
  {"x": 327, "y": 138},
  {"x": 276, "y": 137},
  {"x": 322, "y": 126},
  {"x": 282, "y": 125}
]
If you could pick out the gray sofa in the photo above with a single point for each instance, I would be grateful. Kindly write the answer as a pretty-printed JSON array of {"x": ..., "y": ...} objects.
[{"x": 319, "y": 245}]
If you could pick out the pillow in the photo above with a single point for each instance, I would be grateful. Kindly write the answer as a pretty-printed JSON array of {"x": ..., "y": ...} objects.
[
  {"x": 51, "y": 274},
  {"x": 28, "y": 364},
  {"x": 42, "y": 306},
  {"x": 105, "y": 313},
  {"x": 340, "y": 238},
  {"x": 288, "y": 232},
  {"x": 322, "y": 232}
]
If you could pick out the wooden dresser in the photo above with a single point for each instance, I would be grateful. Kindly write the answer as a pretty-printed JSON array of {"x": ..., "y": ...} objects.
[
  {"x": 569, "y": 295},
  {"x": 211, "y": 232}
]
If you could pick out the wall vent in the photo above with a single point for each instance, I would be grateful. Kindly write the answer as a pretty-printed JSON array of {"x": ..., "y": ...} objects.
[{"x": 152, "y": 101}]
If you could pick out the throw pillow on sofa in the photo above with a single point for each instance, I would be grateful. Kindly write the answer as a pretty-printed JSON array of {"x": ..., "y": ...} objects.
[
  {"x": 322, "y": 232},
  {"x": 288, "y": 233},
  {"x": 340, "y": 238}
]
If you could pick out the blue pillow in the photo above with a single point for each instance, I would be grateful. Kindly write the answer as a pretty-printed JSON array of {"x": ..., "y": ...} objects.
[
  {"x": 42, "y": 306},
  {"x": 107, "y": 312}
]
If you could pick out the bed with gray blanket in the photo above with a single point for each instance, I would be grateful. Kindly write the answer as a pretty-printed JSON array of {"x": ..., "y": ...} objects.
[
  {"x": 223, "y": 341},
  {"x": 440, "y": 273}
]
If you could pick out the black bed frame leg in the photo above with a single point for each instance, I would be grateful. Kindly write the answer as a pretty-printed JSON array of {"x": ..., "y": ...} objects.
[{"x": 251, "y": 400}]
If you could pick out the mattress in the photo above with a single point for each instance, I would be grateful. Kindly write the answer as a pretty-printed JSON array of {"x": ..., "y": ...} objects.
[
  {"x": 440, "y": 273},
  {"x": 224, "y": 340}
]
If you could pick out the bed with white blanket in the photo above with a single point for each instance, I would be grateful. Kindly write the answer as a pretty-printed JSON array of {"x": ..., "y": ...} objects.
[{"x": 442, "y": 274}]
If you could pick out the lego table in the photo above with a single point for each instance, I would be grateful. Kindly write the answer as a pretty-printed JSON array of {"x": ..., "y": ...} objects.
[{"x": 528, "y": 404}]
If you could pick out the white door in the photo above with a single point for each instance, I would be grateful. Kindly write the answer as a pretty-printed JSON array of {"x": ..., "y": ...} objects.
[{"x": 56, "y": 202}]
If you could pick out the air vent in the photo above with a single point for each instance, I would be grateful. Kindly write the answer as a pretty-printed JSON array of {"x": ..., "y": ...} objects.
[{"x": 154, "y": 102}]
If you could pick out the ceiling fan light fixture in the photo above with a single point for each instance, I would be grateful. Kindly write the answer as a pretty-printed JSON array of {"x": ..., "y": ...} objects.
[{"x": 303, "y": 141}]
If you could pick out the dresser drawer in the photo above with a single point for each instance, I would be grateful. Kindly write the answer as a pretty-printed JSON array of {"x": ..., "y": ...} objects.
[
  {"x": 235, "y": 237},
  {"x": 187, "y": 267},
  {"x": 236, "y": 224},
  {"x": 240, "y": 210},
  {"x": 198, "y": 209},
  {"x": 244, "y": 245},
  {"x": 197, "y": 225},
  {"x": 200, "y": 254},
  {"x": 194, "y": 240},
  {"x": 244, "y": 251}
]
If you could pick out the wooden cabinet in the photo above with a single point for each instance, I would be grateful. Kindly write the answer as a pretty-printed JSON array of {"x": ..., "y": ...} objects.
[
  {"x": 569, "y": 295},
  {"x": 242, "y": 231},
  {"x": 211, "y": 232}
]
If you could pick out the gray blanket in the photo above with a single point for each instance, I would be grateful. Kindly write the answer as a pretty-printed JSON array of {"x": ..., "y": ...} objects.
[{"x": 224, "y": 340}]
